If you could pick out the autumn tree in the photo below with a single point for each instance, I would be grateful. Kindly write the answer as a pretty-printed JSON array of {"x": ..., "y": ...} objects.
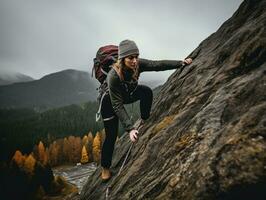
[
  {"x": 53, "y": 153},
  {"x": 15, "y": 178},
  {"x": 60, "y": 144},
  {"x": 29, "y": 165},
  {"x": 71, "y": 155},
  {"x": 96, "y": 147},
  {"x": 90, "y": 143},
  {"x": 66, "y": 150},
  {"x": 84, "y": 155},
  {"x": 35, "y": 152},
  {"x": 19, "y": 159},
  {"x": 90, "y": 136},
  {"x": 102, "y": 137},
  {"x": 47, "y": 154},
  {"x": 85, "y": 140},
  {"x": 77, "y": 149},
  {"x": 41, "y": 153}
]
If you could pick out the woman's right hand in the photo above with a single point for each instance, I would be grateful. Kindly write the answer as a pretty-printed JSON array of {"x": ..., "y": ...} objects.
[
  {"x": 133, "y": 134},
  {"x": 187, "y": 61}
]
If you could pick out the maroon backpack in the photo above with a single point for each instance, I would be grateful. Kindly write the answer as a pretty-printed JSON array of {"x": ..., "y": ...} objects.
[{"x": 105, "y": 57}]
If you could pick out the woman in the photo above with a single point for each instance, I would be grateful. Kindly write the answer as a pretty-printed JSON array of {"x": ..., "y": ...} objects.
[{"x": 123, "y": 88}]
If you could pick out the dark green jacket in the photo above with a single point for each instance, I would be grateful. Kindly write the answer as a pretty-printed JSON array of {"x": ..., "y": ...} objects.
[{"x": 120, "y": 91}]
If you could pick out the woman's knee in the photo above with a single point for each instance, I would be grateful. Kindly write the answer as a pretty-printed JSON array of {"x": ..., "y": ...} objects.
[{"x": 146, "y": 91}]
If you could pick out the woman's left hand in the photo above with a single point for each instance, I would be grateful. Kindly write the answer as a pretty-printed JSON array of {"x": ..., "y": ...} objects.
[{"x": 187, "y": 61}]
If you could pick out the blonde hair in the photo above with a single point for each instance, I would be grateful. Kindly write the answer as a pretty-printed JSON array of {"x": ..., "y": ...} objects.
[{"x": 119, "y": 65}]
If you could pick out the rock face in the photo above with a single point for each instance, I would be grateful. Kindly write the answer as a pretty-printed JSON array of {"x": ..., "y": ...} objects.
[{"x": 206, "y": 138}]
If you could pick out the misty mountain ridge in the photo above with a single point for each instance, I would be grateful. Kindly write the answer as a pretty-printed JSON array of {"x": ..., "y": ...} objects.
[
  {"x": 54, "y": 90},
  {"x": 8, "y": 77}
]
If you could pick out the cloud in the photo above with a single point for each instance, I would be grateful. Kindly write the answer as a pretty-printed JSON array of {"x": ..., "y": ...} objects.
[{"x": 40, "y": 37}]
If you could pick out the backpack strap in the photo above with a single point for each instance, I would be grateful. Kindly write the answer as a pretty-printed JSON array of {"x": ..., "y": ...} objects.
[
  {"x": 102, "y": 92},
  {"x": 104, "y": 71},
  {"x": 96, "y": 63},
  {"x": 98, "y": 114}
]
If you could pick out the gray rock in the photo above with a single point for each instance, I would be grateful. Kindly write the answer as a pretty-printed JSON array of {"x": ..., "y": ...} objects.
[{"x": 206, "y": 138}]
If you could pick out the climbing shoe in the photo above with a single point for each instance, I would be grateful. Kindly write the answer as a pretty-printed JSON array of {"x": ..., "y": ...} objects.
[{"x": 106, "y": 174}]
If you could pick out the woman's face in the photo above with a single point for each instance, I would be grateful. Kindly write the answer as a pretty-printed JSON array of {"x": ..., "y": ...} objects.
[{"x": 131, "y": 61}]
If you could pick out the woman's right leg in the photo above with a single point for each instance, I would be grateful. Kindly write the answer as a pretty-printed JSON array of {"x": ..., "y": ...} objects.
[
  {"x": 111, "y": 129},
  {"x": 110, "y": 121}
]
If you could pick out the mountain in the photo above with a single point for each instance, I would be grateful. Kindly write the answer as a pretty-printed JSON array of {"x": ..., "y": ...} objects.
[
  {"x": 54, "y": 90},
  {"x": 206, "y": 137},
  {"x": 151, "y": 83},
  {"x": 7, "y": 78}
]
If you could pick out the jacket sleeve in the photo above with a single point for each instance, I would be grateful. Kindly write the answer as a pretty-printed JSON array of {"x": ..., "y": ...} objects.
[
  {"x": 160, "y": 65},
  {"x": 117, "y": 102}
]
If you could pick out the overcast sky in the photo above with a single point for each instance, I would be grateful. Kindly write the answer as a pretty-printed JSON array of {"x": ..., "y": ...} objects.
[{"x": 39, "y": 37}]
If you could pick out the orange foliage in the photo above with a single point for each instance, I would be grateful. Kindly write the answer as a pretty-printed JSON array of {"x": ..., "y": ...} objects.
[
  {"x": 42, "y": 154},
  {"x": 66, "y": 150},
  {"x": 84, "y": 155},
  {"x": 96, "y": 147},
  {"x": 90, "y": 142},
  {"x": 103, "y": 135},
  {"x": 85, "y": 140},
  {"x": 29, "y": 164},
  {"x": 19, "y": 158},
  {"x": 53, "y": 153}
]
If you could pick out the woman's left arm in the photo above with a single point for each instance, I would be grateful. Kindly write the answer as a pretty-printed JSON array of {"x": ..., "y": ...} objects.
[{"x": 162, "y": 65}]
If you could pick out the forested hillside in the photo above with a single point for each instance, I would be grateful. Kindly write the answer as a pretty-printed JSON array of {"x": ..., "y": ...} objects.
[{"x": 22, "y": 128}]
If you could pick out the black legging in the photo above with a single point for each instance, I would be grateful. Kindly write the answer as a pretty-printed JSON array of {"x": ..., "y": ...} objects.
[{"x": 142, "y": 93}]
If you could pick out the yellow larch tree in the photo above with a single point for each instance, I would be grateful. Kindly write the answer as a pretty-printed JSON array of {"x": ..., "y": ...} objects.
[
  {"x": 18, "y": 158},
  {"x": 47, "y": 155},
  {"x": 96, "y": 148},
  {"x": 85, "y": 140},
  {"x": 53, "y": 153},
  {"x": 84, "y": 155},
  {"x": 71, "y": 153},
  {"x": 29, "y": 164},
  {"x": 102, "y": 137},
  {"x": 77, "y": 149},
  {"x": 90, "y": 142},
  {"x": 41, "y": 153},
  {"x": 66, "y": 150},
  {"x": 90, "y": 136}
]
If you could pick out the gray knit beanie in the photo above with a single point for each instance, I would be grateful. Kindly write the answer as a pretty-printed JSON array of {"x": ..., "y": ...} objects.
[{"x": 127, "y": 48}]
